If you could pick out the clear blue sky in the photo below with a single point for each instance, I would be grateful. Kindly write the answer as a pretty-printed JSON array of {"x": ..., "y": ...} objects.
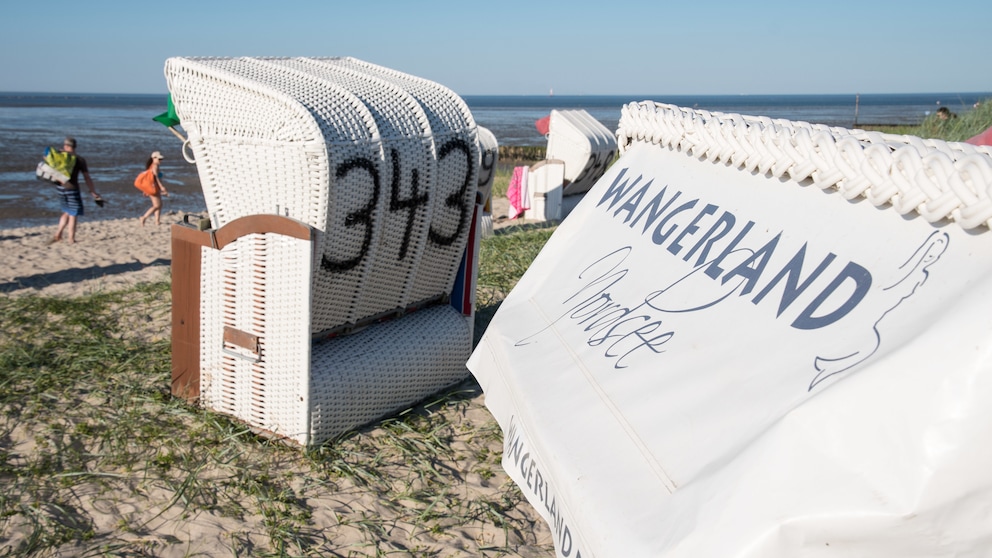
[{"x": 513, "y": 47}]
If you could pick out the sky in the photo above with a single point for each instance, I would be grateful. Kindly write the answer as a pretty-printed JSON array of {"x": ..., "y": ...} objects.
[{"x": 511, "y": 47}]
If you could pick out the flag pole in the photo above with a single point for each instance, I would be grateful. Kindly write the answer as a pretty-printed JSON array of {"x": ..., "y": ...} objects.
[
  {"x": 857, "y": 101},
  {"x": 176, "y": 132}
]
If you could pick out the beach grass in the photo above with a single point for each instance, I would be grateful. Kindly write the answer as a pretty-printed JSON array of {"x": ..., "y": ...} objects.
[
  {"x": 501, "y": 180},
  {"x": 90, "y": 431},
  {"x": 965, "y": 123},
  {"x": 959, "y": 127}
]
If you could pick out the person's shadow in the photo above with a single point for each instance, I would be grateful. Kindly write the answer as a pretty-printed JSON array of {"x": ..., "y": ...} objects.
[{"x": 42, "y": 280}]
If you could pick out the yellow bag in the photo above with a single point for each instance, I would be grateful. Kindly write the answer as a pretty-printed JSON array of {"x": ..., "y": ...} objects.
[
  {"x": 56, "y": 166},
  {"x": 60, "y": 160}
]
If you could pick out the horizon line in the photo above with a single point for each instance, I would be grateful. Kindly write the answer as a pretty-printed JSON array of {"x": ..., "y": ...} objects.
[{"x": 84, "y": 93}]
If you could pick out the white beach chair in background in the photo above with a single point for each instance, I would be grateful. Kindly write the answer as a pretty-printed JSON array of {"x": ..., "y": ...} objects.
[
  {"x": 545, "y": 183},
  {"x": 580, "y": 149},
  {"x": 583, "y": 144},
  {"x": 489, "y": 156},
  {"x": 336, "y": 281}
]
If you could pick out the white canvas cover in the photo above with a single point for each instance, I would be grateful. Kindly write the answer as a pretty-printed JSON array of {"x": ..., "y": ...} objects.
[{"x": 757, "y": 338}]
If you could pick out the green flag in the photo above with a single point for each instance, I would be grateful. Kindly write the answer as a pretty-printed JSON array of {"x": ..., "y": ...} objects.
[{"x": 168, "y": 118}]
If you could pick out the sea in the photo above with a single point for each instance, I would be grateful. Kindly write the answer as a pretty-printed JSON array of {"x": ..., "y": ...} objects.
[{"x": 116, "y": 135}]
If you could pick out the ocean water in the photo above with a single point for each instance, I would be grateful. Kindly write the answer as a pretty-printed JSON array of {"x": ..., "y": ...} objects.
[
  {"x": 512, "y": 118},
  {"x": 116, "y": 134}
]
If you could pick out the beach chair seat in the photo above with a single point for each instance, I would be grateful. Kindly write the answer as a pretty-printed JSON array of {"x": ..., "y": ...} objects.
[
  {"x": 335, "y": 283},
  {"x": 545, "y": 184}
]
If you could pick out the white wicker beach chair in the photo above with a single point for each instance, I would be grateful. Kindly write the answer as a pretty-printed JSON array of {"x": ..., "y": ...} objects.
[
  {"x": 579, "y": 151},
  {"x": 583, "y": 144},
  {"x": 342, "y": 200},
  {"x": 489, "y": 156}
]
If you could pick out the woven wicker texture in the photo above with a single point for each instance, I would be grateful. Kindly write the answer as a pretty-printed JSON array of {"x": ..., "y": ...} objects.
[
  {"x": 259, "y": 285},
  {"x": 937, "y": 180},
  {"x": 585, "y": 146},
  {"x": 489, "y": 157},
  {"x": 386, "y": 367},
  {"x": 309, "y": 393},
  {"x": 383, "y": 164},
  {"x": 456, "y": 150},
  {"x": 489, "y": 153}
]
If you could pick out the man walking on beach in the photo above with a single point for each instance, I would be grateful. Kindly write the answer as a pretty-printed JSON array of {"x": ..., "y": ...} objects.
[{"x": 72, "y": 202}]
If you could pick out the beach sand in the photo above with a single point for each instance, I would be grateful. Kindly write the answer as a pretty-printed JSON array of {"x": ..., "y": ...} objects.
[
  {"x": 110, "y": 255},
  {"x": 107, "y": 255}
]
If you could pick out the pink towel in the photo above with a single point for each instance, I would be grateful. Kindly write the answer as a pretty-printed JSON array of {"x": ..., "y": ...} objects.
[{"x": 516, "y": 192}]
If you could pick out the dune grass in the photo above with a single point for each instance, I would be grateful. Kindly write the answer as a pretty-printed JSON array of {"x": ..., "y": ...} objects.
[
  {"x": 88, "y": 429},
  {"x": 966, "y": 123}
]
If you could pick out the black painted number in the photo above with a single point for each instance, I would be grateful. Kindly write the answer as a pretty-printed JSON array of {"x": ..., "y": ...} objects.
[
  {"x": 362, "y": 216},
  {"x": 456, "y": 199},
  {"x": 411, "y": 204}
]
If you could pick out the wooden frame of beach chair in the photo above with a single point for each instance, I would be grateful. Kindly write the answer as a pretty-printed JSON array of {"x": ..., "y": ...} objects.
[
  {"x": 309, "y": 334},
  {"x": 188, "y": 240}
]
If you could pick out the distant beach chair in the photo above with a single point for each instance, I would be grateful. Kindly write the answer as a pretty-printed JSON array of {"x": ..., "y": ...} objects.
[
  {"x": 489, "y": 156},
  {"x": 579, "y": 150},
  {"x": 334, "y": 282},
  {"x": 545, "y": 185}
]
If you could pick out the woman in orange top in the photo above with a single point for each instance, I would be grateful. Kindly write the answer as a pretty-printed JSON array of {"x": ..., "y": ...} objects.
[{"x": 151, "y": 166}]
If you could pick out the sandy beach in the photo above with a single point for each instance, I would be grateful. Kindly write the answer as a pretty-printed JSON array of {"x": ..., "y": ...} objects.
[
  {"x": 107, "y": 255},
  {"x": 110, "y": 255}
]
